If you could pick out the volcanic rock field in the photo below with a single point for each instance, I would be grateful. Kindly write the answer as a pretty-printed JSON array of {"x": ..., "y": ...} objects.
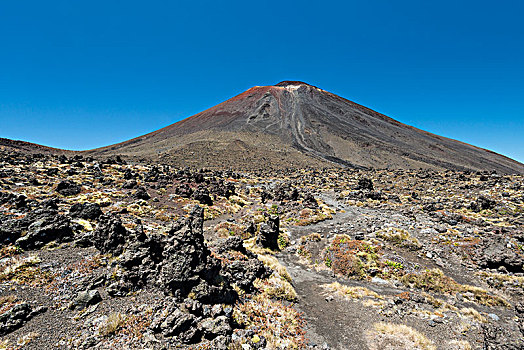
[{"x": 107, "y": 253}]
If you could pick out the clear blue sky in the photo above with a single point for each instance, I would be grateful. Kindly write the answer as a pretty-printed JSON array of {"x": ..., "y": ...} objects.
[{"x": 80, "y": 75}]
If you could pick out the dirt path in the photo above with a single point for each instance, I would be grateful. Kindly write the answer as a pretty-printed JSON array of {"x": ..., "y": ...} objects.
[
  {"x": 339, "y": 323},
  {"x": 336, "y": 323}
]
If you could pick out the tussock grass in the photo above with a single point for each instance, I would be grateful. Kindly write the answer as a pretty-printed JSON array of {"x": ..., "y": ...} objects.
[
  {"x": 276, "y": 288},
  {"x": 435, "y": 280},
  {"x": 251, "y": 245},
  {"x": 281, "y": 325},
  {"x": 4, "y": 344},
  {"x": 21, "y": 269},
  {"x": 26, "y": 339},
  {"x": 399, "y": 237},
  {"x": 278, "y": 285},
  {"x": 393, "y": 336},
  {"x": 350, "y": 292},
  {"x": 499, "y": 280},
  {"x": 227, "y": 229},
  {"x": 272, "y": 262},
  {"x": 474, "y": 314},
  {"x": 112, "y": 324}
]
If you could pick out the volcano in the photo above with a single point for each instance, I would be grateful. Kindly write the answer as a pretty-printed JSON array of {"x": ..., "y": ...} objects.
[{"x": 294, "y": 124}]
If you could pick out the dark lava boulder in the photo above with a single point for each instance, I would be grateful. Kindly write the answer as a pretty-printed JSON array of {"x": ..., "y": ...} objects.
[
  {"x": 268, "y": 234},
  {"x": 310, "y": 201},
  {"x": 482, "y": 203},
  {"x": 265, "y": 196},
  {"x": 46, "y": 228},
  {"x": 141, "y": 193},
  {"x": 188, "y": 266},
  {"x": 374, "y": 195},
  {"x": 114, "y": 160},
  {"x": 496, "y": 254},
  {"x": 49, "y": 204},
  {"x": 178, "y": 264},
  {"x": 68, "y": 188},
  {"x": 16, "y": 316},
  {"x": 244, "y": 273},
  {"x": 36, "y": 229},
  {"x": 184, "y": 191},
  {"x": 6, "y": 197},
  {"x": 20, "y": 202},
  {"x": 110, "y": 235},
  {"x": 129, "y": 184},
  {"x": 285, "y": 192},
  {"x": 86, "y": 211},
  {"x": 234, "y": 243},
  {"x": 139, "y": 264},
  {"x": 183, "y": 325},
  {"x": 365, "y": 184},
  {"x": 241, "y": 272},
  {"x": 223, "y": 189},
  {"x": 86, "y": 298},
  {"x": 201, "y": 194},
  {"x": 499, "y": 338},
  {"x": 128, "y": 174}
]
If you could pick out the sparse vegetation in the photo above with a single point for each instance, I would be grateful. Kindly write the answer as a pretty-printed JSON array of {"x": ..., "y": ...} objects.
[
  {"x": 397, "y": 337},
  {"x": 277, "y": 288},
  {"x": 368, "y": 247},
  {"x": 473, "y": 314},
  {"x": 112, "y": 324},
  {"x": 434, "y": 280},
  {"x": 351, "y": 258},
  {"x": 281, "y": 325},
  {"x": 22, "y": 270},
  {"x": 399, "y": 237},
  {"x": 350, "y": 292}
]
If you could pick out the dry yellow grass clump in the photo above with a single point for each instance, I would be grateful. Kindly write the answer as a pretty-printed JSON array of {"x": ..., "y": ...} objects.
[
  {"x": 393, "y": 336},
  {"x": 112, "y": 324},
  {"x": 399, "y": 237},
  {"x": 474, "y": 314},
  {"x": 350, "y": 292},
  {"x": 436, "y": 281},
  {"x": 272, "y": 262},
  {"x": 281, "y": 325},
  {"x": 226, "y": 229},
  {"x": 278, "y": 286},
  {"x": 21, "y": 269}
]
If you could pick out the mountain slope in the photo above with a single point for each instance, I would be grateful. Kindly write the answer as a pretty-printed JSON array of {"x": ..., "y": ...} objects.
[
  {"x": 296, "y": 124},
  {"x": 28, "y": 147}
]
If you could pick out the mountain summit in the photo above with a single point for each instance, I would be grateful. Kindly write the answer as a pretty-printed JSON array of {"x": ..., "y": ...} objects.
[{"x": 294, "y": 124}]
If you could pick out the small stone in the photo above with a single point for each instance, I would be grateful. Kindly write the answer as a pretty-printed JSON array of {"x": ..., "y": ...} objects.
[
  {"x": 494, "y": 317},
  {"x": 215, "y": 327},
  {"x": 86, "y": 298},
  {"x": 379, "y": 280}
]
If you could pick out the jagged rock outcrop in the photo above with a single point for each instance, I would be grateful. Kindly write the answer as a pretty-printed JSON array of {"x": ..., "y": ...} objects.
[
  {"x": 268, "y": 233},
  {"x": 36, "y": 229},
  {"x": 89, "y": 211}
]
